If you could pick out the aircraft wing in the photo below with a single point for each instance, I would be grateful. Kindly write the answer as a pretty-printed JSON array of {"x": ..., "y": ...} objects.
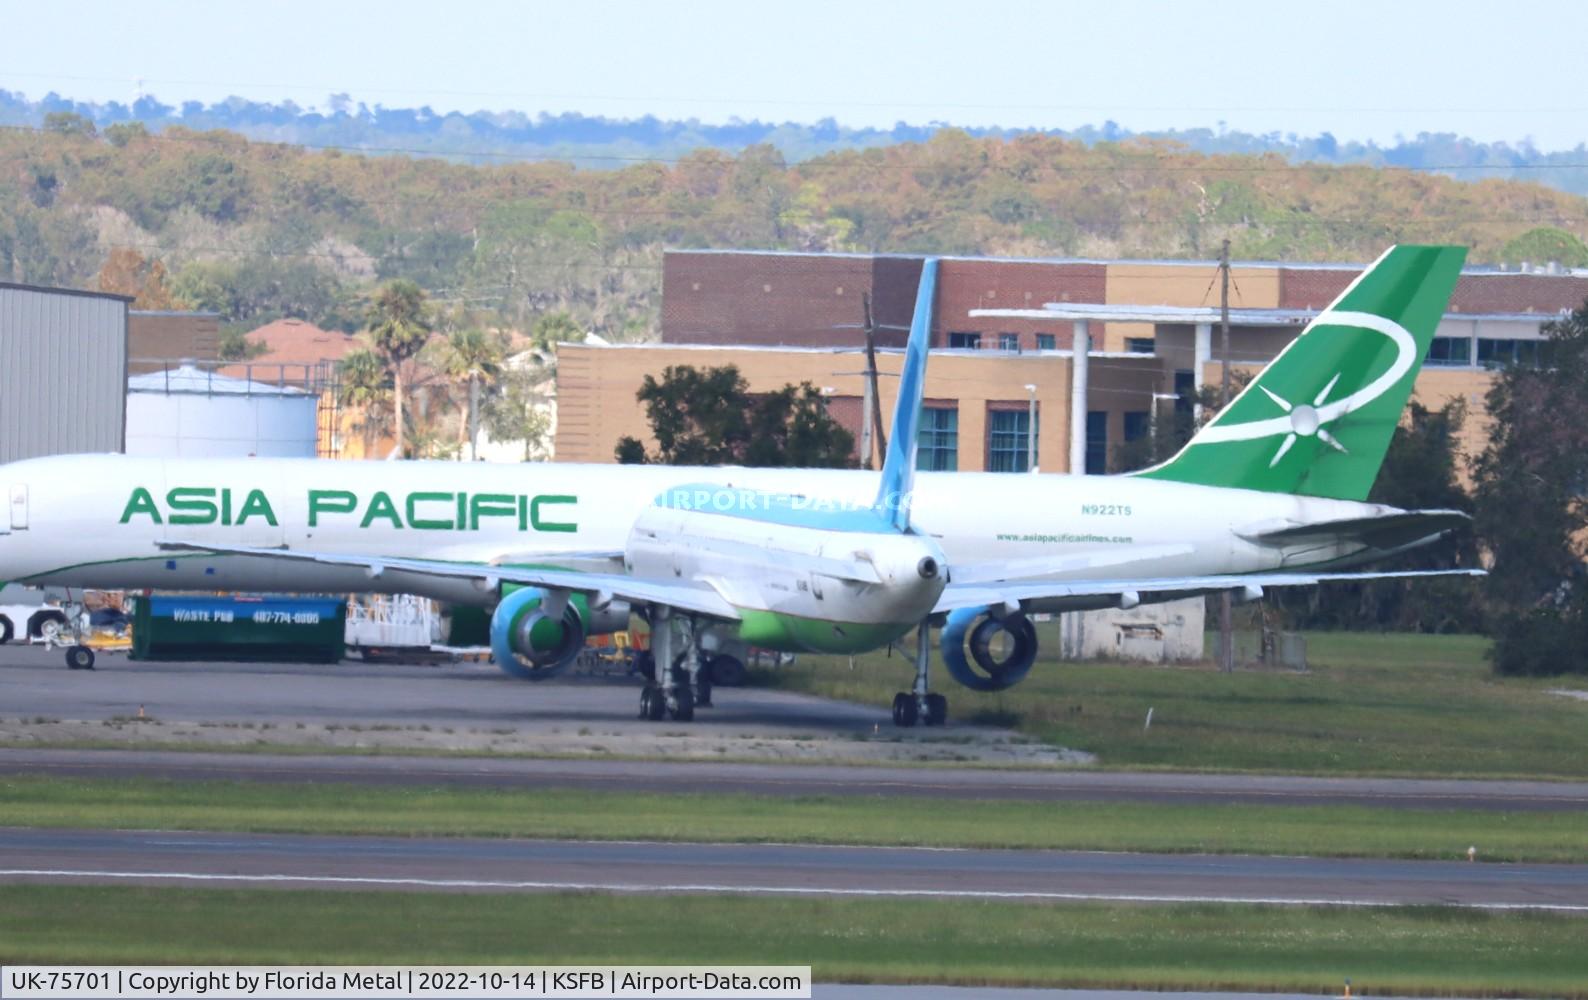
[
  {"x": 684, "y": 595},
  {"x": 1026, "y": 569},
  {"x": 1013, "y": 595}
]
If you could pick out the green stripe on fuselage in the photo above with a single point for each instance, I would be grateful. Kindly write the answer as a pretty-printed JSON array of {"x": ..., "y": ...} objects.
[{"x": 794, "y": 634}]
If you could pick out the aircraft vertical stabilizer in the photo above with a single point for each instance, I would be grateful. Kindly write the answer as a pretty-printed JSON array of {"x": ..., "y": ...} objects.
[
  {"x": 1318, "y": 420},
  {"x": 898, "y": 464}
]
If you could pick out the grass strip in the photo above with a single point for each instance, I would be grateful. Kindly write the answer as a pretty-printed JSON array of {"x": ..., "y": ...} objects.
[
  {"x": 1311, "y": 950},
  {"x": 1396, "y": 704},
  {"x": 1352, "y": 831}
]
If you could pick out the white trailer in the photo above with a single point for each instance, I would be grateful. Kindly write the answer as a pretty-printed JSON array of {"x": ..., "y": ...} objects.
[{"x": 27, "y": 615}]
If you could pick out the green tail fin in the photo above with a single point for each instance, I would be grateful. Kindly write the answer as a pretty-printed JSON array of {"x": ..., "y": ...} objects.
[{"x": 1319, "y": 418}]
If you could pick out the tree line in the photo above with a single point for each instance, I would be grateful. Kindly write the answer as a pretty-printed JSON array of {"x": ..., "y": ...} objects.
[
  {"x": 256, "y": 231},
  {"x": 593, "y": 140}
]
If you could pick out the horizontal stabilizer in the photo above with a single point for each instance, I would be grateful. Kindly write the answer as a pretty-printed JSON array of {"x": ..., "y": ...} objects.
[{"x": 1388, "y": 531}]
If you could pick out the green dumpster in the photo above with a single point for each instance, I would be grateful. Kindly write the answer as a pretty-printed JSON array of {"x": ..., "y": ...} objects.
[{"x": 275, "y": 628}]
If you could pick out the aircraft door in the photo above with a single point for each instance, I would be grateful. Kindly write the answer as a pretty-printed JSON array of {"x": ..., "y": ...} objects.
[{"x": 17, "y": 502}]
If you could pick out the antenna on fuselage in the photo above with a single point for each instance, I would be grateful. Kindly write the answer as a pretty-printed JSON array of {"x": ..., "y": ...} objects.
[{"x": 898, "y": 464}]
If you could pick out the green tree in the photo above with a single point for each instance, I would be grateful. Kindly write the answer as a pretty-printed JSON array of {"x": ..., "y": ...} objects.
[
  {"x": 1545, "y": 244},
  {"x": 69, "y": 123},
  {"x": 365, "y": 385},
  {"x": 555, "y": 328},
  {"x": 234, "y": 344},
  {"x": 399, "y": 326},
  {"x": 710, "y": 417},
  {"x": 1529, "y": 505},
  {"x": 475, "y": 357},
  {"x": 517, "y": 411}
]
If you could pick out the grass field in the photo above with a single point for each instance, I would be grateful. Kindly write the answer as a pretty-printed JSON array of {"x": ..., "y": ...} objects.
[
  {"x": 1185, "y": 947},
  {"x": 1371, "y": 704},
  {"x": 557, "y": 813}
]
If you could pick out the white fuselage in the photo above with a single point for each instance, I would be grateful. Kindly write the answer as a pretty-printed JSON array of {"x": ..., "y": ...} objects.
[{"x": 95, "y": 520}]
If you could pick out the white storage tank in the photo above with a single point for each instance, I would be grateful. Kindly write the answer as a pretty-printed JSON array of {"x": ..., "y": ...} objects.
[{"x": 187, "y": 412}]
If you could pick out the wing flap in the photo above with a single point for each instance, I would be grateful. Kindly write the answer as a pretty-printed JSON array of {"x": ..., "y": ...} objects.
[
  {"x": 684, "y": 595},
  {"x": 1011, "y": 570}
]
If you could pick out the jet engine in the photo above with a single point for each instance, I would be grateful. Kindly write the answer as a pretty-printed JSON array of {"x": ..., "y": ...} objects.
[
  {"x": 1001, "y": 650},
  {"x": 532, "y": 645}
]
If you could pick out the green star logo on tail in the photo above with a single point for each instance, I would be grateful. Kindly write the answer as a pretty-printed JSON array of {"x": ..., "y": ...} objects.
[{"x": 1368, "y": 344}]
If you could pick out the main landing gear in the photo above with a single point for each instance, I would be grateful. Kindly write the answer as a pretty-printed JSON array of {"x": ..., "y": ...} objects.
[
  {"x": 681, "y": 683},
  {"x": 920, "y": 704}
]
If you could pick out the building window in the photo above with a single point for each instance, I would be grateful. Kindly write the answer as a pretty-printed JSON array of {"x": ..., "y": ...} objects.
[
  {"x": 1141, "y": 345},
  {"x": 1137, "y": 425},
  {"x": 964, "y": 341},
  {"x": 937, "y": 444},
  {"x": 1009, "y": 342},
  {"x": 1096, "y": 442},
  {"x": 1009, "y": 438},
  {"x": 1047, "y": 342},
  {"x": 1450, "y": 352},
  {"x": 1185, "y": 391},
  {"x": 1499, "y": 353}
]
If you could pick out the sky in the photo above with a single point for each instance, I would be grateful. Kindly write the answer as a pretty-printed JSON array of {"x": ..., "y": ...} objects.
[{"x": 1359, "y": 70}]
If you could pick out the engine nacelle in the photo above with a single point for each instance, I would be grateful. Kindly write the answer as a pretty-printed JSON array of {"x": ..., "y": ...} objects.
[
  {"x": 973, "y": 631},
  {"x": 530, "y": 644}
]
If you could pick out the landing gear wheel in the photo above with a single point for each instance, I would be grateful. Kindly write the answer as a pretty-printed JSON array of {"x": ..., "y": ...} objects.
[
  {"x": 936, "y": 710},
  {"x": 5, "y": 631},
  {"x": 703, "y": 694},
  {"x": 653, "y": 703},
  {"x": 50, "y": 628},
  {"x": 79, "y": 658},
  {"x": 645, "y": 665},
  {"x": 905, "y": 712},
  {"x": 682, "y": 708},
  {"x": 727, "y": 670}
]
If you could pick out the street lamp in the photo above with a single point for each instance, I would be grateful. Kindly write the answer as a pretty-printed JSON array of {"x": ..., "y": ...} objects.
[{"x": 1031, "y": 428}]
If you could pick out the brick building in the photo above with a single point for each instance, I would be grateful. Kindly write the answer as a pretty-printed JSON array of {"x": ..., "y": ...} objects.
[
  {"x": 1003, "y": 335},
  {"x": 157, "y": 339}
]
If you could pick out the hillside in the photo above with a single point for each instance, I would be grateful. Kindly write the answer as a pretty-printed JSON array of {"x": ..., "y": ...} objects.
[
  {"x": 600, "y": 142},
  {"x": 258, "y": 230}
]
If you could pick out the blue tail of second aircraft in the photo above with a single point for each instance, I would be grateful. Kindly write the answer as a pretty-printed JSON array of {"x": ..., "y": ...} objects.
[{"x": 898, "y": 464}]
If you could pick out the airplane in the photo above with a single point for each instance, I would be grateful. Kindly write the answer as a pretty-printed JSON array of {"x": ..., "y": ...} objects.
[{"x": 1271, "y": 493}]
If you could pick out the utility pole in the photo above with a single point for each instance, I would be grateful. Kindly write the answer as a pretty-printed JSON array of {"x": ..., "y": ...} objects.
[
  {"x": 1226, "y": 610},
  {"x": 871, "y": 420},
  {"x": 1224, "y": 323}
]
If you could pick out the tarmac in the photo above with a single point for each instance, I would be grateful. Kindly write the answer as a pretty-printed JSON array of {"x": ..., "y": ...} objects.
[
  {"x": 471, "y": 707},
  {"x": 495, "y": 865}
]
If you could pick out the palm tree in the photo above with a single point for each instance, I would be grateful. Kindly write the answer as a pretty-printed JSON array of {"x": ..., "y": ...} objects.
[
  {"x": 399, "y": 326},
  {"x": 475, "y": 357},
  {"x": 364, "y": 385}
]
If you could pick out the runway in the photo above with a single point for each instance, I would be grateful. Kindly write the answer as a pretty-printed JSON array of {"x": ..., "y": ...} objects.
[
  {"x": 1052, "y": 785},
  {"x": 469, "y": 865}
]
